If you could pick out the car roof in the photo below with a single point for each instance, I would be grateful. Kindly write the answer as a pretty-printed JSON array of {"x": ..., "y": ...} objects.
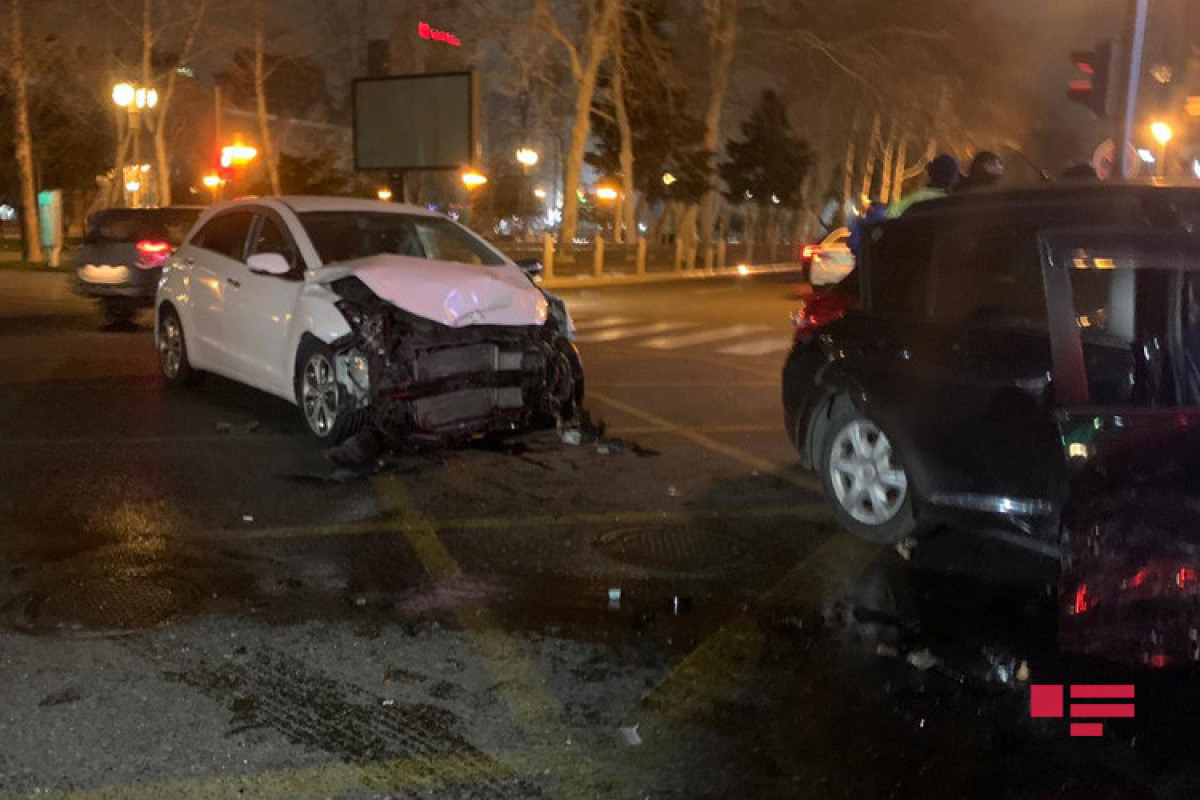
[
  {"x": 1053, "y": 194},
  {"x": 303, "y": 204}
]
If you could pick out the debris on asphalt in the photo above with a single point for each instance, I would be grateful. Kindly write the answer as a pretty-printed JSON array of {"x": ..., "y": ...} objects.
[
  {"x": 61, "y": 698},
  {"x": 614, "y": 599},
  {"x": 643, "y": 452},
  {"x": 886, "y": 651},
  {"x": 247, "y": 518},
  {"x": 229, "y": 427},
  {"x": 359, "y": 453},
  {"x": 672, "y": 492},
  {"x": 388, "y": 702},
  {"x": 906, "y": 546},
  {"x": 607, "y": 447},
  {"x": 923, "y": 659},
  {"x": 631, "y": 736},
  {"x": 1023, "y": 673},
  {"x": 571, "y": 436},
  {"x": 681, "y": 605},
  {"x": 360, "y": 601}
]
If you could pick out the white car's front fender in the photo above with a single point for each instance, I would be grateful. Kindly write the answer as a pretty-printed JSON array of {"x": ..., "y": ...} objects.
[{"x": 315, "y": 314}]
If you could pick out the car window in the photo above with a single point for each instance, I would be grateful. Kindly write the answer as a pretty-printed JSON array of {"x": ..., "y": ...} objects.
[
  {"x": 271, "y": 238},
  {"x": 225, "y": 234},
  {"x": 349, "y": 235},
  {"x": 897, "y": 267},
  {"x": 987, "y": 275},
  {"x": 128, "y": 225}
]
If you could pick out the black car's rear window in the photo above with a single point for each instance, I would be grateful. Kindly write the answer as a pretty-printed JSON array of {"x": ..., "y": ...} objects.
[{"x": 127, "y": 225}]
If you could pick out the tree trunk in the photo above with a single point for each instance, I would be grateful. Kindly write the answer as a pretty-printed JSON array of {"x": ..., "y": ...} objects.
[
  {"x": 23, "y": 135},
  {"x": 885, "y": 168},
  {"x": 260, "y": 101},
  {"x": 848, "y": 178},
  {"x": 625, "y": 224},
  {"x": 722, "y": 37},
  {"x": 872, "y": 158},
  {"x": 595, "y": 48},
  {"x": 162, "y": 155}
]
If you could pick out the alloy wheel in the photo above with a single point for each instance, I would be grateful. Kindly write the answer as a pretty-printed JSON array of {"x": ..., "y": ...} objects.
[
  {"x": 170, "y": 346},
  {"x": 319, "y": 392}
]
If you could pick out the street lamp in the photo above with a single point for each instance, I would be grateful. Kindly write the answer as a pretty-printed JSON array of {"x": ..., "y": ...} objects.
[
  {"x": 668, "y": 179},
  {"x": 213, "y": 182},
  {"x": 539, "y": 193},
  {"x": 237, "y": 154},
  {"x": 1162, "y": 134},
  {"x": 473, "y": 178},
  {"x": 134, "y": 100},
  {"x": 527, "y": 157},
  {"x": 606, "y": 193},
  {"x": 383, "y": 193}
]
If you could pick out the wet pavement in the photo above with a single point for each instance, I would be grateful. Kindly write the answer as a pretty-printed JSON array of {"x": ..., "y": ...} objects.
[{"x": 194, "y": 603}]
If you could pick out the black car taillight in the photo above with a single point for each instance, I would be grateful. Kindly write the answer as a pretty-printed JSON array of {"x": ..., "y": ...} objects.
[{"x": 152, "y": 253}]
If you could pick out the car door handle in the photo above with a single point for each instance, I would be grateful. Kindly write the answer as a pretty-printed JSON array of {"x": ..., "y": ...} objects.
[{"x": 234, "y": 283}]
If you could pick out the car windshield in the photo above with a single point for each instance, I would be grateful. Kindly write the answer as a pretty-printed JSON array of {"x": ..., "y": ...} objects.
[
  {"x": 349, "y": 235},
  {"x": 126, "y": 225}
]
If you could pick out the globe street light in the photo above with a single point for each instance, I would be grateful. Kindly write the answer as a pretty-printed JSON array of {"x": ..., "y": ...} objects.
[
  {"x": 527, "y": 157},
  {"x": 473, "y": 178}
]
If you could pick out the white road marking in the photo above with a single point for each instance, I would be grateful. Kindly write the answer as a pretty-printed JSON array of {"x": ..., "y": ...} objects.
[
  {"x": 640, "y": 330},
  {"x": 758, "y": 347},
  {"x": 702, "y": 337}
]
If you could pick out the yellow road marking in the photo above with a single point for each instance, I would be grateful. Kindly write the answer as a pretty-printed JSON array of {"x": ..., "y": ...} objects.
[
  {"x": 398, "y": 524},
  {"x": 523, "y": 688},
  {"x": 321, "y": 781},
  {"x": 737, "y": 454}
]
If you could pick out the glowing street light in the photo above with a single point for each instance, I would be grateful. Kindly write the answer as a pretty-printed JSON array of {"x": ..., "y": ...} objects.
[
  {"x": 1162, "y": 133},
  {"x": 123, "y": 94},
  {"x": 668, "y": 179},
  {"x": 473, "y": 178},
  {"x": 212, "y": 181},
  {"x": 237, "y": 155},
  {"x": 527, "y": 157},
  {"x": 133, "y": 186},
  {"x": 606, "y": 193},
  {"x": 383, "y": 193},
  {"x": 539, "y": 193}
]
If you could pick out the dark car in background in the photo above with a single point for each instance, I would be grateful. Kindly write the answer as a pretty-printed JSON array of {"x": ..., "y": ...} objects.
[{"x": 122, "y": 253}]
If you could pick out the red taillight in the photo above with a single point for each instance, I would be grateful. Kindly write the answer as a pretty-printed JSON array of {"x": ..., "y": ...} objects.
[
  {"x": 810, "y": 250},
  {"x": 153, "y": 247},
  {"x": 152, "y": 253},
  {"x": 1083, "y": 601},
  {"x": 1185, "y": 577},
  {"x": 818, "y": 311}
]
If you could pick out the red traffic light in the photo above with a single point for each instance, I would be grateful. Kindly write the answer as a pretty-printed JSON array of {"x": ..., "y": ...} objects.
[{"x": 1092, "y": 87}]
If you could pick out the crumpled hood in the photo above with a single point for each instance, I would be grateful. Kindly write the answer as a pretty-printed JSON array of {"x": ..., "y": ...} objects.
[{"x": 453, "y": 294}]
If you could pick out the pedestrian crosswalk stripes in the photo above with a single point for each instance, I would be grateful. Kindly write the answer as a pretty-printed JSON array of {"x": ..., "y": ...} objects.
[
  {"x": 758, "y": 347},
  {"x": 602, "y": 322},
  {"x": 706, "y": 336},
  {"x": 617, "y": 334},
  {"x": 745, "y": 340}
]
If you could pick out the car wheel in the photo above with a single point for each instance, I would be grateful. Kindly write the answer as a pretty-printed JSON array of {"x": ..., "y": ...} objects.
[
  {"x": 865, "y": 480},
  {"x": 328, "y": 407},
  {"x": 116, "y": 311},
  {"x": 172, "y": 350}
]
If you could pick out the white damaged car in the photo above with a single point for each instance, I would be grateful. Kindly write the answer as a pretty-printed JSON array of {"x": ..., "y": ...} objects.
[{"x": 365, "y": 313}]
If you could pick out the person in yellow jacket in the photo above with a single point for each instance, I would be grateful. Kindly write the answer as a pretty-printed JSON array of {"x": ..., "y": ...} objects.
[{"x": 943, "y": 177}]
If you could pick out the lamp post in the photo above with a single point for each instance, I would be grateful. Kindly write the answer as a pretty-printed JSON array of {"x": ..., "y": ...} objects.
[
  {"x": 134, "y": 100},
  {"x": 1162, "y": 134},
  {"x": 609, "y": 194}
]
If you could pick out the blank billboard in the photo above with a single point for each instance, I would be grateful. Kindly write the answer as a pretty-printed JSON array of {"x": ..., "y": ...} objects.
[{"x": 414, "y": 122}]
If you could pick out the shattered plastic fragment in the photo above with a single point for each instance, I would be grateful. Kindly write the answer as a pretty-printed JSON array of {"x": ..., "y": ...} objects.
[
  {"x": 886, "y": 651},
  {"x": 642, "y": 452},
  {"x": 923, "y": 659},
  {"x": 672, "y": 491},
  {"x": 247, "y": 518},
  {"x": 572, "y": 437},
  {"x": 906, "y": 546},
  {"x": 607, "y": 447},
  {"x": 1023, "y": 674},
  {"x": 631, "y": 736},
  {"x": 681, "y": 605}
]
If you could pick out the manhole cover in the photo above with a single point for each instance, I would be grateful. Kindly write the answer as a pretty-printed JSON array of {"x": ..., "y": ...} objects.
[
  {"x": 672, "y": 548},
  {"x": 108, "y": 603}
]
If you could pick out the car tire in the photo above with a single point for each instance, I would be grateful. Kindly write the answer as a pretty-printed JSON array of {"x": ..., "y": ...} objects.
[
  {"x": 325, "y": 404},
  {"x": 864, "y": 478},
  {"x": 117, "y": 311},
  {"x": 172, "y": 350}
]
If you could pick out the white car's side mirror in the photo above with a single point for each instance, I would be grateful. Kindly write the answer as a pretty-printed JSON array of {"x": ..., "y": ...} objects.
[{"x": 269, "y": 264}]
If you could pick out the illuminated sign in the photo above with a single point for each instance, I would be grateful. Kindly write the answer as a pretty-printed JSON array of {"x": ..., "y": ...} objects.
[{"x": 426, "y": 31}]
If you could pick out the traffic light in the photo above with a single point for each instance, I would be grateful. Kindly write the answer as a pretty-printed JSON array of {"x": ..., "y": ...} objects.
[{"x": 1093, "y": 86}]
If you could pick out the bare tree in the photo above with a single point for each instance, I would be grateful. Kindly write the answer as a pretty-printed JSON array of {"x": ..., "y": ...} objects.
[
  {"x": 18, "y": 75},
  {"x": 260, "y": 100},
  {"x": 186, "y": 53},
  {"x": 721, "y": 21},
  {"x": 586, "y": 55}
]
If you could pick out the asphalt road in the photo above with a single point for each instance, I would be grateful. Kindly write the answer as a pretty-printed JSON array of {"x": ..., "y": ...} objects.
[{"x": 193, "y": 603}]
